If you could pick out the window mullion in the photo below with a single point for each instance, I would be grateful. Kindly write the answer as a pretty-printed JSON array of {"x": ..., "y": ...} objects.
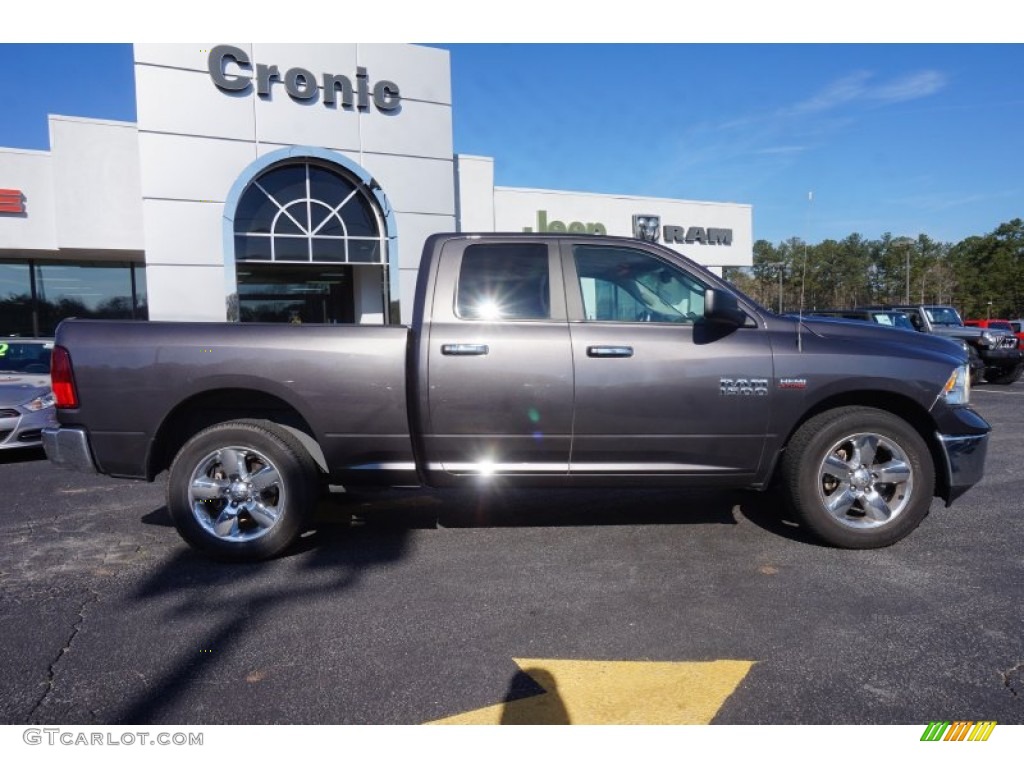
[{"x": 309, "y": 218}]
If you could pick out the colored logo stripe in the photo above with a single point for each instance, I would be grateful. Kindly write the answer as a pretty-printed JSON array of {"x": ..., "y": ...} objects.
[
  {"x": 10, "y": 201},
  {"x": 960, "y": 730}
]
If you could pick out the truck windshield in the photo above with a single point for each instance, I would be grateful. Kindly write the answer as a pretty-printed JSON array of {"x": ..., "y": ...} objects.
[{"x": 943, "y": 316}]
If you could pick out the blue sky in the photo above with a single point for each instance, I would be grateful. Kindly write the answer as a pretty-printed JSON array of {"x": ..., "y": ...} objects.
[{"x": 900, "y": 138}]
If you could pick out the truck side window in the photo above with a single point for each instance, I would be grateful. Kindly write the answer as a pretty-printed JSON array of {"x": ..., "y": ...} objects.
[
  {"x": 504, "y": 281},
  {"x": 625, "y": 286}
]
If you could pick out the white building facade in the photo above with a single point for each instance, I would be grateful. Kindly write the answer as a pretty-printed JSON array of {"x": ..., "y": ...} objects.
[{"x": 281, "y": 183}]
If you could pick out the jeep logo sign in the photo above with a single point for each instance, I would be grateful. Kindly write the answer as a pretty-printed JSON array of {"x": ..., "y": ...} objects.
[{"x": 227, "y": 66}]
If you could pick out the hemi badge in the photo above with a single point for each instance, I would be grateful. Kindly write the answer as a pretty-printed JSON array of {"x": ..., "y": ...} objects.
[{"x": 792, "y": 383}]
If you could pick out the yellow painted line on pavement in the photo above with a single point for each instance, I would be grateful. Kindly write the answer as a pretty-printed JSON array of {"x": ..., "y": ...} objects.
[{"x": 615, "y": 693}]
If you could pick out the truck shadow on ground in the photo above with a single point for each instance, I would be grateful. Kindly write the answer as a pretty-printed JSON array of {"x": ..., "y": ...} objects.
[
  {"x": 221, "y": 605},
  {"x": 513, "y": 508},
  {"x": 218, "y": 605},
  {"x": 419, "y": 509}
]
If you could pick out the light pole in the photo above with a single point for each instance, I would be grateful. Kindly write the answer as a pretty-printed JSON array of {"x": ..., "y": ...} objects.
[
  {"x": 906, "y": 298},
  {"x": 778, "y": 265},
  {"x": 908, "y": 246}
]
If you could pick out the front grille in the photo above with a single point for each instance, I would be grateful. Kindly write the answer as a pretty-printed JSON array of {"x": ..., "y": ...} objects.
[
  {"x": 1008, "y": 342},
  {"x": 4, "y": 433},
  {"x": 8, "y": 413}
]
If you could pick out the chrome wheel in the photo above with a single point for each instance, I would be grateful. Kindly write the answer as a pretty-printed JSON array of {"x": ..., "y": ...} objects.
[
  {"x": 237, "y": 494},
  {"x": 865, "y": 480}
]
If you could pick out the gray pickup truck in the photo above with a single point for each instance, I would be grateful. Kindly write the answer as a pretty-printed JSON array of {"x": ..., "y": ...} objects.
[{"x": 531, "y": 360}]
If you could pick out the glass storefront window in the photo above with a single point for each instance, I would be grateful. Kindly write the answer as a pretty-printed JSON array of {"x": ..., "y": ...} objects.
[
  {"x": 36, "y": 295},
  {"x": 15, "y": 300}
]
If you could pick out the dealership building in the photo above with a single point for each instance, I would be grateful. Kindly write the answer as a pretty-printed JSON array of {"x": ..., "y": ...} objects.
[{"x": 281, "y": 183}]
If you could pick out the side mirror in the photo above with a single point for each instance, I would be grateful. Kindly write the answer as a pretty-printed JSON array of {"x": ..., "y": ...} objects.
[{"x": 722, "y": 307}]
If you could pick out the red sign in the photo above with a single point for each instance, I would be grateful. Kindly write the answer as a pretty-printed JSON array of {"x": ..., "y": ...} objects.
[{"x": 11, "y": 201}]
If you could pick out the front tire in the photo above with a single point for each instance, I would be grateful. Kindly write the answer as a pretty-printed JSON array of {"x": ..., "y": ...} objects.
[
  {"x": 241, "y": 490},
  {"x": 1004, "y": 377},
  {"x": 858, "y": 478}
]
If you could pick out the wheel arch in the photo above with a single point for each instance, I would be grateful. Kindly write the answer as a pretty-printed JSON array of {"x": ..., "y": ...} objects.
[
  {"x": 205, "y": 409},
  {"x": 900, "y": 406}
]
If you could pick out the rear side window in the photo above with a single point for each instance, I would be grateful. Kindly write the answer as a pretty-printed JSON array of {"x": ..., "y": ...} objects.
[{"x": 504, "y": 281}]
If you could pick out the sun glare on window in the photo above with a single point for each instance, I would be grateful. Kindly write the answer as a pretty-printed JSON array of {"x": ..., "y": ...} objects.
[{"x": 488, "y": 309}]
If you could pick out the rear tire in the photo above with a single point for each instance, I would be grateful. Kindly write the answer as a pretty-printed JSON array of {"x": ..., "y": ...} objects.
[
  {"x": 242, "y": 490},
  {"x": 858, "y": 478},
  {"x": 1003, "y": 376}
]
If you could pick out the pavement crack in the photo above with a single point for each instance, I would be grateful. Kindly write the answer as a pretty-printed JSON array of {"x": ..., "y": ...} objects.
[
  {"x": 51, "y": 673},
  {"x": 1013, "y": 680}
]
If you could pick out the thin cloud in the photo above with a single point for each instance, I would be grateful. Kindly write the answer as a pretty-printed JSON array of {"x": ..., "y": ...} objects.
[
  {"x": 861, "y": 86},
  {"x": 939, "y": 202},
  {"x": 771, "y": 141},
  {"x": 914, "y": 86},
  {"x": 786, "y": 150},
  {"x": 836, "y": 94},
  {"x": 857, "y": 88}
]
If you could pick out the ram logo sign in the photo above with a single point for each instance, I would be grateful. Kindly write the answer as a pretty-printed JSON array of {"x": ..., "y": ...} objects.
[
  {"x": 648, "y": 227},
  {"x": 699, "y": 235},
  {"x": 645, "y": 227}
]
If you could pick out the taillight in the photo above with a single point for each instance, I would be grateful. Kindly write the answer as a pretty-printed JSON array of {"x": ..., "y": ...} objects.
[{"x": 62, "y": 378}]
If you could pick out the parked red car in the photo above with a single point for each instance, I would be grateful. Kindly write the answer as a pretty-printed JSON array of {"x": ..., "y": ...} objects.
[{"x": 1018, "y": 328}]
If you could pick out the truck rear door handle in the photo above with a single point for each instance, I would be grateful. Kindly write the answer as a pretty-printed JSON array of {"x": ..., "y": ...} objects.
[
  {"x": 464, "y": 349},
  {"x": 609, "y": 351}
]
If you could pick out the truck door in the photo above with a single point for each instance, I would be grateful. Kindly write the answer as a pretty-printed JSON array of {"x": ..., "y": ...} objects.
[
  {"x": 659, "y": 391},
  {"x": 499, "y": 378}
]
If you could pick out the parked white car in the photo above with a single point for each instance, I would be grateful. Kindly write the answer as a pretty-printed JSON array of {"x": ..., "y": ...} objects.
[{"x": 26, "y": 399}]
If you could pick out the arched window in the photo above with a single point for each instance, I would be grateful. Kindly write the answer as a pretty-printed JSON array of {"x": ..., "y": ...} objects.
[{"x": 308, "y": 212}]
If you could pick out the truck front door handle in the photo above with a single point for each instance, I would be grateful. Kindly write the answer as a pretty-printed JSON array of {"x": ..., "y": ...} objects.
[
  {"x": 609, "y": 351},
  {"x": 464, "y": 349}
]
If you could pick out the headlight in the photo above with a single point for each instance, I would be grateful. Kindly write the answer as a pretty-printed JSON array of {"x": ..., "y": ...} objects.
[
  {"x": 45, "y": 401},
  {"x": 989, "y": 338},
  {"x": 958, "y": 388}
]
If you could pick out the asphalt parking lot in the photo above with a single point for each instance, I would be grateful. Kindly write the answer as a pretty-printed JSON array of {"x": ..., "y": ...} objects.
[{"x": 521, "y": 607}]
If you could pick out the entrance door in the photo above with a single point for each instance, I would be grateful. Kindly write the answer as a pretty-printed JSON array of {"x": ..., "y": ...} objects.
[{"x": 279, "y": 293}]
